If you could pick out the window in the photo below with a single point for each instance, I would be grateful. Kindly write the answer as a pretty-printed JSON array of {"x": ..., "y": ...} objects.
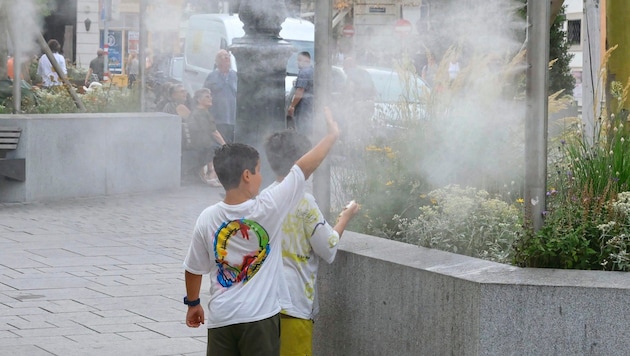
[{"x": 574, "y": 32}]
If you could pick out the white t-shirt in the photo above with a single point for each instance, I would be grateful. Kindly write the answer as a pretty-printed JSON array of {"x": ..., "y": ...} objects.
[
  {"x": 240, "y": 247},
  {"x": 306, "y": 238},
  {"x": 48, "y": 73}
]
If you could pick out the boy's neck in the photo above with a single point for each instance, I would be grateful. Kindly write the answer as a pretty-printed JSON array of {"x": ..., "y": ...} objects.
[{"x": 237, "y": 196}]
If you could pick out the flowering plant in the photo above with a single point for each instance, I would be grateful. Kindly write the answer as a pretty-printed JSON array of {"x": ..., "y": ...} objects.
[{"x": 466, "y": 221}]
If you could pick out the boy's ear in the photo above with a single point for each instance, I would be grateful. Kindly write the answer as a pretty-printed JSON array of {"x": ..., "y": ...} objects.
[{"x": 246, "y": 176}]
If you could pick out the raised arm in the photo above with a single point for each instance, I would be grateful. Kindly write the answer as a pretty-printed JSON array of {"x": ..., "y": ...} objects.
[{"x": 313, "y": 158}]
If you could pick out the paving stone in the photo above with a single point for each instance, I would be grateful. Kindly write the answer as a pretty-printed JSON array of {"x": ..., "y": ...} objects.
[
  {"x": 75, "y": 261},
  {"x": 121, "y": 329},
  {"x": 23, "y": 311},
  {"x": 176, "y": 329},
  {"x": 97, "y": 338},
  {"x": 54, "y": 331},
  {"x": 30, "y": 350},
  {"x": 50, "y": 283},
  {"x": 5, "y": 334},
  {"x": 153, "y": 347},
  {"x": 55, "y": 294}
]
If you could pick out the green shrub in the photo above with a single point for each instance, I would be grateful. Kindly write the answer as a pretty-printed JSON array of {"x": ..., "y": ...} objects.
[
  {"x": 582, "y": 228},
  {"x": 465, "y": 221}
]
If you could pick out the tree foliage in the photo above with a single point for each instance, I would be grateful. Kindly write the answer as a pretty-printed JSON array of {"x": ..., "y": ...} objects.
[{"x": 560, "y": 77}]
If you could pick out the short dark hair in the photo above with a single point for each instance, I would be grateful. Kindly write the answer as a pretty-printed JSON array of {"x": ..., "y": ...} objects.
[
  {"x": 54, "y": 46},
  {"x": 231, "y": 160},
  {"x": 305, "y": 54},
  {"x": 284, "y": 148}
]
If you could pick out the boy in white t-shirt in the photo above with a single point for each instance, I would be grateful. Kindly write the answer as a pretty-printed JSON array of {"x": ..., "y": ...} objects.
[
  {"x": 306, "y": 239},
  {"x": 237, "y": 242}
]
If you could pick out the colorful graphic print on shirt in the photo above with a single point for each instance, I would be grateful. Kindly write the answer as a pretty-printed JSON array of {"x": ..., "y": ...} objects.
[{"x": 237, "y": 256}]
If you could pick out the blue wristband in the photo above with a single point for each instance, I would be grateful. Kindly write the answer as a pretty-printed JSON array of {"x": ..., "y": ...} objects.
[{"x": 192, "y": 303}]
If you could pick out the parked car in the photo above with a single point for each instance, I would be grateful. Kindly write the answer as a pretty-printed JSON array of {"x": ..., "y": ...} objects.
[{"x": 398, "y": 97}]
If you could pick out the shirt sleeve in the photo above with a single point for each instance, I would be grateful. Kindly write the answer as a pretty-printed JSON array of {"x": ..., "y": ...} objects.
[
  {"x": 62, "y": 64},
  {"x": 283, "y": 197},
  {"x": 323, "y": 238},
  {"x": 198, "y": 260},
  {"x": 304, "y": 79}
]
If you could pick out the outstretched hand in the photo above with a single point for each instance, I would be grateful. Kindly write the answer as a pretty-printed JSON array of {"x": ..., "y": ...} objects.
[
  {"x": 333, "y": 127},
  {"x": 350, "y": 210}
]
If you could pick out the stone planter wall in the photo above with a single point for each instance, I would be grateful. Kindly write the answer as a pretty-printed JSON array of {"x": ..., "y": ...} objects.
[
  {"x": 382, "y": 297},
  {"x": 82, "y": 155}
]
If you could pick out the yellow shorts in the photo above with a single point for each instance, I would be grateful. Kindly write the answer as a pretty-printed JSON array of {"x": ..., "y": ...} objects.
[{"x": 296, "y": 336}]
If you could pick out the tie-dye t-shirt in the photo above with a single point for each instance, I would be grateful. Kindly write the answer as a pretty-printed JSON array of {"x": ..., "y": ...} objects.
[
  {"x": 239, "y": 246},
  {"x": 306, "y": 238}
]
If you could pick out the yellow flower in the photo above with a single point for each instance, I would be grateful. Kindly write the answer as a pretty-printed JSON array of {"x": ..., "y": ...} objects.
[
  {"x": 433, "y": 201},
  {"x": 520, "y": 200},
  {"x": 389, "y": 183}
]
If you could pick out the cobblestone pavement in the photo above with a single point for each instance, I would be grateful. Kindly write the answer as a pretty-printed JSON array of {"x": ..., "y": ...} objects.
[{"x": 99, "y": 276}]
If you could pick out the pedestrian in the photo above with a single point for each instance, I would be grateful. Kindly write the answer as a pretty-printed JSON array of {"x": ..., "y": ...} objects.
[
  {"x": 205, "y": 137},
  {"x": 45, "y": 69},
  {"x": 222, "y": 82},
  {"x": 301, "y": 106},
  {"x": 97, "y": 68},
  {"x": 178, "y": 101},
  {"x": 307, "y": 239},
  {"x": 133, "y": 68},
  {"x": 237, "y": 243}
]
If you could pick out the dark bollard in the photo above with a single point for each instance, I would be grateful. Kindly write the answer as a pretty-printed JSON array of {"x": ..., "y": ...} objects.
[{"x": 261, "y": 57}]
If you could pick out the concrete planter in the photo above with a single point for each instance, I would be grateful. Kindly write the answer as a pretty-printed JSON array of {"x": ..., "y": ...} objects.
[
  {"x": 82, "y": 155},
  {"x": 382, "y": 297}
]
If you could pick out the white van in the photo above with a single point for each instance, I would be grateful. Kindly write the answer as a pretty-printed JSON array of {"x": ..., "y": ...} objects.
[{"x": 208, "y": 33}]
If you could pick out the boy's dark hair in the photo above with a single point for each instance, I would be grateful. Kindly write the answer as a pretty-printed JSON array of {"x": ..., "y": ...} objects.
[
  {"x": 305, "y": 54},
  {"x": 231, "y": 160},
  {"x": 54, "y": 46},
  {"x": 284, "y": 148}
]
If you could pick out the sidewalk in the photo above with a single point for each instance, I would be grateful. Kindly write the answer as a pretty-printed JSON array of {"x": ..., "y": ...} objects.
[{"x": 99, "y": 276}]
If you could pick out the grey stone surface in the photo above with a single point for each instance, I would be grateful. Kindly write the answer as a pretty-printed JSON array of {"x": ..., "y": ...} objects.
[
  {"x": 99, "y": 276},
  {"x": 82, "y": 155},
  {"x": 384, "y": 297}
]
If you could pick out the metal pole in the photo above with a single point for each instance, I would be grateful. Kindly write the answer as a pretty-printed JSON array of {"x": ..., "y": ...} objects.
[
  {"x": 323, "y": 35},
  {"x": 17, "y": 64},
  {"x": 106, "y": 17},
  {"x": 591, "y": 81},
  {"x": 143, "y": 39},
  {"x": 536, "y": 113},
  {"x": 42, "y": 43}
]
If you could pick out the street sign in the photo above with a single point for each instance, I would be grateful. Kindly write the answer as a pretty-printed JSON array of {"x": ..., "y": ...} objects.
[
  {"x": 402, "y": 27},
  {"x": 348, "y": 31}
]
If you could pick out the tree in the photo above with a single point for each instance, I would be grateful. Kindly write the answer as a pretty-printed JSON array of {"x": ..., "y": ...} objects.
[{"x": 560, "y": 76}]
